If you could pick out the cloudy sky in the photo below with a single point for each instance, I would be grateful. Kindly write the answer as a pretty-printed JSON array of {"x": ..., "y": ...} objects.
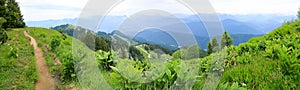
[{"x": 35, "y": 10}]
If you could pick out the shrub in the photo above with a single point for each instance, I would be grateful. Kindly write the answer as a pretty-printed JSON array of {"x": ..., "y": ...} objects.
[
  {"x": 54, "y": 43},
  {"x": 68, "y": 68}
]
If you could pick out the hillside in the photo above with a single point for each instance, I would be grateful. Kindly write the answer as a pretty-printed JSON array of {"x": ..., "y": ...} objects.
[
  {"x": 115, "y": 35},
  {"x": 17, "y": 63},
  {"x": 159, "y": 37},
  {"x": 18, "y": 68},
  {"x": 268, "y": 62}
]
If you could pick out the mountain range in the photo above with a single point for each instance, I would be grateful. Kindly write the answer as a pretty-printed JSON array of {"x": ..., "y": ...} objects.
[
  {"x": 234, "y": 24},
  {"x": 155, "y": 36}
]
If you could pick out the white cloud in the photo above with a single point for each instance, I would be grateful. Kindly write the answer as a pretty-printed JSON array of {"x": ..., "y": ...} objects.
[
  {"x": 286, "y": 7},
  {"x": 34, "y": 10},
  {"x": 133, "y": 6},
  {"x": 58, "y": 9}
]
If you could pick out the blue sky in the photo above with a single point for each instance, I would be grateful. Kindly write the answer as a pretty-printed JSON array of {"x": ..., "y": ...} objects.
[{"x": 35, "y": 10}]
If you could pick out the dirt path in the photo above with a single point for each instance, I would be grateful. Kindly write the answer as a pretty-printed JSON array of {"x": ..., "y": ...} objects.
[{"x": 45, "y": 81}]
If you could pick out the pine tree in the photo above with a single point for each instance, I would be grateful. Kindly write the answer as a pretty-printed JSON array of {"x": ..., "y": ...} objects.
[
  {"x": 10, "y": 10},
  {"x": 209, "y": 48},
  {"x": 2, "y": 8},
  {"x": 226, "y": 40},
  {"x": 215, "y": 44},
  {"x": 3, "y": 35}
]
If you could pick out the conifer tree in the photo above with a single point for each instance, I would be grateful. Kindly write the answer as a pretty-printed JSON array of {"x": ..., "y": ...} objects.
[
  {"x": 3, "y": 35},
  {"x": 226, "y": 40},
  {"x": 215, "y": 44},
  {"x": 10, "y": 11},
  {"x": 209, "y": 48}
]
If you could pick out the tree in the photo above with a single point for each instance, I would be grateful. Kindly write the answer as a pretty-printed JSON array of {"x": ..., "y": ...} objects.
[
  {"x": 136, "y": 54},
  {"x": 3, "y": 35},
  {"x": 209, "y": 48},
  {"x": 192, "y": 52},
  {"x": 102, "y": 44},
  {"x": 213, "y": 46},
  {"x": 177, "y": 54},
  {"x": 226, "y": 40},
  {"x": 10, "y": 10}
]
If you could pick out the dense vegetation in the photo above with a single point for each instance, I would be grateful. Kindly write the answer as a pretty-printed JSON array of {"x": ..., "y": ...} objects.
[{"x": 268, "y": 62}]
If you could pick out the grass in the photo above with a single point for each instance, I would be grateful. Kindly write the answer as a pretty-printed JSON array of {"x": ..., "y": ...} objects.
[
  {"x": 70, "y": 50},
  {"x": 17, "y": 64}
]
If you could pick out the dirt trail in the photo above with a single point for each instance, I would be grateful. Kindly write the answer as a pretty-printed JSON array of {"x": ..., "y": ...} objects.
[{"x": 45, "y": 81}]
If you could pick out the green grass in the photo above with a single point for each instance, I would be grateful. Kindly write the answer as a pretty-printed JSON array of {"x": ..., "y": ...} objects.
[
  {"x": 74, "y": 55},
  {"x": 17, "y": 64},
  {"x": 268, "y": 62}
]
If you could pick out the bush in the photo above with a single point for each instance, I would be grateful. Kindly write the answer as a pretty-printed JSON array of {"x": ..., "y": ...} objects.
[
  {"x": 68, "y": 68},
  {"x": 54, "y": 43},
  {"x": 3, "y": 36}
]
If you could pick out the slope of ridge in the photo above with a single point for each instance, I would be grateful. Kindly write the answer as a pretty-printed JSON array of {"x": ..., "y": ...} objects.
[
  {"x": 268, "y": 62},
  {"x": 18, "y": 68},
  {"x": 17, "y": 63}
]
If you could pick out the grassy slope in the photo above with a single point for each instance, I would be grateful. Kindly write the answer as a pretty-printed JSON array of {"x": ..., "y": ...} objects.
[
  {"x": 17, "y": 64},
  {"x": 268, "y": 62},
  {"x": 71, "y": 52},
  {"x": 20, "y": 72}
]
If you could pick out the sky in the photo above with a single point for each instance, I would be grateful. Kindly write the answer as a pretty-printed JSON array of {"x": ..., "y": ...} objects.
[{"x": 36, "y": 10}]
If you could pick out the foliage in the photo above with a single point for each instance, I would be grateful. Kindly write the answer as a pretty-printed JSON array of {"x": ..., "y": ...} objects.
[
  {"x": 268, "y": 62},
  {"x": 10, "y": 10},
  {"x": 136, "y": 54},
  {"x": 19, "y": 70},
  {"x": 210, "y": 48},
  {"x": 55, "y": 42},
  {"x": 188, "y": 53},
  {"x": 213, "y": 46},
  {"x": 226, "y": 40},
  {"x": 104, "y": 59},
  {"x": 68, "y": 71},
  {"x": 3, "y": 35},
  {"x": 102, "y": 44},
  {"x": 152, "y": 47}
]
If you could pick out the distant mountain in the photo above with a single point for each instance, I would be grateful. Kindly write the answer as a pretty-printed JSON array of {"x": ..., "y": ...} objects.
[
  {"x": 51, "y": 23},
  {"x": 237, "y": 27},
  {"x": 115, "y": 35},
  {"x": 234, "y": 24},
  {"x": 155, "y": 36},
  {"x": 158, "y": 37}
]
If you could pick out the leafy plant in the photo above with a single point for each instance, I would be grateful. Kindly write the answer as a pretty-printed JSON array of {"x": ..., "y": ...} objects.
[{"x": 55, "y": 42}]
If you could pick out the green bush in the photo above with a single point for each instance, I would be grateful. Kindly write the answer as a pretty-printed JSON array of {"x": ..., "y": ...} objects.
[
  {"x": 3, "y": 35},
  {"x": 68, "y": 71},
  {"x": 55, "y": 42}
]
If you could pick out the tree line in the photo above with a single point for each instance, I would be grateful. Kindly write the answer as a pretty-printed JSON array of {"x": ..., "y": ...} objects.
[
  {"x": 213, "y": 45},
  {"x": 10, "y": 17}
]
